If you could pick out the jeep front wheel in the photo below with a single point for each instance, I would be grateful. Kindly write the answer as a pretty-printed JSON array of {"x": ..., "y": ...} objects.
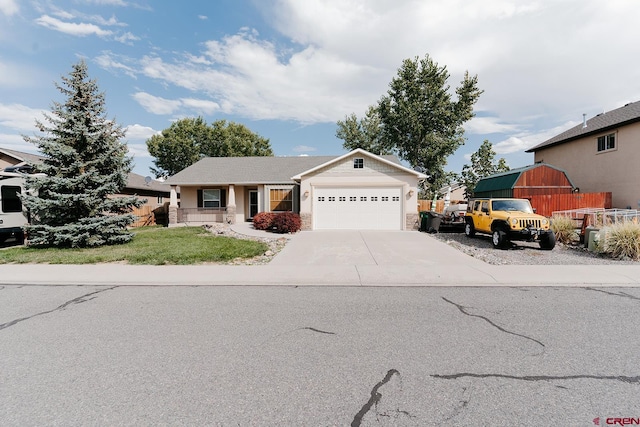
[
  {"x": 469, "y": 230},
  {"x": 547, "y": 241},
  {"x": 499, "y": 238}
]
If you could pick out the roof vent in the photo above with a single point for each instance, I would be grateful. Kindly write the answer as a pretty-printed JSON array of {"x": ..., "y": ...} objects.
[{"x": 584, "y": 120}]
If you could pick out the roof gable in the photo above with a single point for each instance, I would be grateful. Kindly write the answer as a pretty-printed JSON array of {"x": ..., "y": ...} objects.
[
  {"x": 622, "y": 116},
  {"x": 386, "y": 160}
]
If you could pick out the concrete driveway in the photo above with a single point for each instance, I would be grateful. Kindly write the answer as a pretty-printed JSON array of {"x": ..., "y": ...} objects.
[{"x": 352, "y": 247}]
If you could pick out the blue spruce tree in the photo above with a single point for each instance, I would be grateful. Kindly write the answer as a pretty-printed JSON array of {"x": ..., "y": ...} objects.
[{"x": 70, "y": 202}]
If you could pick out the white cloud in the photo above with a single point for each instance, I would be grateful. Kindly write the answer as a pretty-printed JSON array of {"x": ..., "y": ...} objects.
[
  {"x": 163, "y": 106},
  {"x": 203, "y": 17},
  {"x": 72, "y": 28},
  {"x": 156, "y": 104},
  {"x": 126, "y": 38},
  {"x": 9, "y": 7},
  {"x": 109, "y": 2},
  {"x": 200, "y": 105},
  {"x": 303, "y": 149},
  {"x": 19, "y": 117},
  {"x": 485, "y": 125},
  {"x": 115, "y": 64},
  {"x": 524, "y": 141},
  {"x": 140, "y": 132}
]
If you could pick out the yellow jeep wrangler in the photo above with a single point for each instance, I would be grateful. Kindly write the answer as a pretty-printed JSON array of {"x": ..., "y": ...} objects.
[{"x": 506, "y": 220}]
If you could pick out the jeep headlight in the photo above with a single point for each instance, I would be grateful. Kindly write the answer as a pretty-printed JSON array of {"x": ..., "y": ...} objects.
[
  {"x": 545, "y": 221},
  {"x": 514, "y": 221}
]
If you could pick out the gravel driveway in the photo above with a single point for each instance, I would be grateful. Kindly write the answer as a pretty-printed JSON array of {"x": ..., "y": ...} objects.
[{"x": 523, "y": 253}]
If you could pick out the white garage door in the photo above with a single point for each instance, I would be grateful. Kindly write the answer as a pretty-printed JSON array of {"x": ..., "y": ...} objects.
[{"x": 345, "y": 208}]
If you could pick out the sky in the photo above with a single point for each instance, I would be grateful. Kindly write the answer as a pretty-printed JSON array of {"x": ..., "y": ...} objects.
[{"x": 290, "y": 69}]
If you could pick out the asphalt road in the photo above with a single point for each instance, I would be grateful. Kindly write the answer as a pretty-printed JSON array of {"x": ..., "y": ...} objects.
[{"x": 318, "y": 356}]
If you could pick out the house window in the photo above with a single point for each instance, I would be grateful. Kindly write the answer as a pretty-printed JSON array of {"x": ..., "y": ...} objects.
[
  {"x": 358, "y": 163},
  {"x": 607, "y": 142},
  {"x": 211, "y": 198},
  {"x": 281, "y": 200}
]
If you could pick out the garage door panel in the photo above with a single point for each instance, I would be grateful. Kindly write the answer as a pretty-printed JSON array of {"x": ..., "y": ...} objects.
[{"x": 371, "y": 208}]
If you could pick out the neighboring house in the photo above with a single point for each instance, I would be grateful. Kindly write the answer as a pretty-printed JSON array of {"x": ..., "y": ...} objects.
[
  {"x": 601, "y": 155},
  {"x": 455, "y": 191},
  {"x": 358, "y": 190},
  {"x": 155, "y": 192}
]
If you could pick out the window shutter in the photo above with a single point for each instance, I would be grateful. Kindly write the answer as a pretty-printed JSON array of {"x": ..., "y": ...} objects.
[
  {"x": 223, "y": 198},
  {"x": 200, "y": 203}
]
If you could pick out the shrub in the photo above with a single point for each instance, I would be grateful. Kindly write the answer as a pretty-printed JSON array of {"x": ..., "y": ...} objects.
[
  {"x": 287, "y": 222},
  {"x": 564, "y": 229},
  {"x": 263, "y": 220},
  {"x": 623, "y": 240}
]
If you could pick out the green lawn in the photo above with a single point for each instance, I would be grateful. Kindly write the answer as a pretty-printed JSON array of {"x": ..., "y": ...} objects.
[{"x": 151, "y": 245}]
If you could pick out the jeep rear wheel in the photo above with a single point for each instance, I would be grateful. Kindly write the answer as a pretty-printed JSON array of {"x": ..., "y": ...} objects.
[
  {"x": 499, "y": 238},
  {"x": 469, "y": 230}
]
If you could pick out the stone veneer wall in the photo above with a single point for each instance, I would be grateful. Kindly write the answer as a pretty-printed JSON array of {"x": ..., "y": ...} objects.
[
  {"x": 231, "y": 214},
  {"x": 306, "y": 218},
  {"x": 173, "y": 215},
  {"x": 412, "y": 221}
]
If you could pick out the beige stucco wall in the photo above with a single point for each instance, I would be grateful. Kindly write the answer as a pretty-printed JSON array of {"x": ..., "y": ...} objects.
[
  {"x": 374, "y": 174},
  {"x": 616, "y": 171}
]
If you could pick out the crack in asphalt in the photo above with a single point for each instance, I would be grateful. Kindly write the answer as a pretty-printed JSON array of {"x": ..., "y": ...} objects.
[
  {"x": 316, "y": 330},
  {"x": 77, "y": 300},
  {"x": 500, "y": 328},
  {"x": 621, "y": 378},
  {"x": 374, "y": 399},
  {"x": 617, "y": 294},
  {"x": 294, "y": 330},
  {"x": 461, "y": 407}
]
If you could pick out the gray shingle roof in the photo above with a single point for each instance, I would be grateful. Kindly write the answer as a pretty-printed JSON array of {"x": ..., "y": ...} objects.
[
  {"x": 628, "y": 114},
  {"x": 246, "y": 170},
  {"x": 134, "y": 181},
  {"x": 249, "y": 170},
  {"x": 23, "y": 157}
]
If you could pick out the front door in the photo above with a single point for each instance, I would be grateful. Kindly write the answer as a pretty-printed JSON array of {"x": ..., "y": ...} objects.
[{"x": 253, "y": 203}]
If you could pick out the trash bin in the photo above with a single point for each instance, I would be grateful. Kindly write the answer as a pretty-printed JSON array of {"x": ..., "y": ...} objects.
[{"x": 430, "y": 221}]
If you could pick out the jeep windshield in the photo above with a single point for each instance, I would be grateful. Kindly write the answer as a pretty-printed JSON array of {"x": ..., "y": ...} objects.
[{"x": 511, "y": 205}]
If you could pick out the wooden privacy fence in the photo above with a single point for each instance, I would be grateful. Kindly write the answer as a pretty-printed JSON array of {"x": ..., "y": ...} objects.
[
  {"x": 144, "y": 215},
  {"x": 546, "y": 204}
]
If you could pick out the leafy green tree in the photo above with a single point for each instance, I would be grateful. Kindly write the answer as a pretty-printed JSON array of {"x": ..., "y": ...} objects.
[
  {"x": 483, "y": 164},
  {"x": 421, "y": 120},
  {"x": 188, "y": 140},
  {"x": 365, "y": 133},
  {"x": 84, "y": 164}
]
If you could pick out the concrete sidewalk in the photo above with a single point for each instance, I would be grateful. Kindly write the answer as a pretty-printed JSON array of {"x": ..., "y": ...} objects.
[{"x": 336, "y": 259}]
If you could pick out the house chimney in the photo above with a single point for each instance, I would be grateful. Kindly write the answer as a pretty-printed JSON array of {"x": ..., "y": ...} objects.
[{"x": 584, "y": 120}]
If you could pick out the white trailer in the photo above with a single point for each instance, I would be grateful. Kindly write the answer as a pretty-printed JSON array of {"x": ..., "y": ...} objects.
[{"x": 13, "y": 217}]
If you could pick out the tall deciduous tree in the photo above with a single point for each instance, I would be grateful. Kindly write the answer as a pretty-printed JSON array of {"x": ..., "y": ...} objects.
[
  {"x": 483, "y": 164},
  {"x": 85, "y": 163},
  {"x": 365, "y": 133},
  {"x": 421, "y": 120},
  {"x": 188, "y": 140}
]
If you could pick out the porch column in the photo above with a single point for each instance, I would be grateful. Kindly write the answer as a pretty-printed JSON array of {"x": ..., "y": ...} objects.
[
  {"x": 231, "y": 205},
  {"x": 173, "y": 206}
]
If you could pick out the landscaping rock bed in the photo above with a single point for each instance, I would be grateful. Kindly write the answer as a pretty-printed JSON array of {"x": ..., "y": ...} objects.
[
  {"x": 524, "y": 253},
  {"x": 274, "y": 243}
]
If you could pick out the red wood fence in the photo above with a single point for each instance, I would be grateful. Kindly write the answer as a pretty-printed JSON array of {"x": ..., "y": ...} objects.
[{"x": 548, "y": 203}]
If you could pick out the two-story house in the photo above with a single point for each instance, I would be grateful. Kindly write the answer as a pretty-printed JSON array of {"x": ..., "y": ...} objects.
[{"x": 601, "y": 154}]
